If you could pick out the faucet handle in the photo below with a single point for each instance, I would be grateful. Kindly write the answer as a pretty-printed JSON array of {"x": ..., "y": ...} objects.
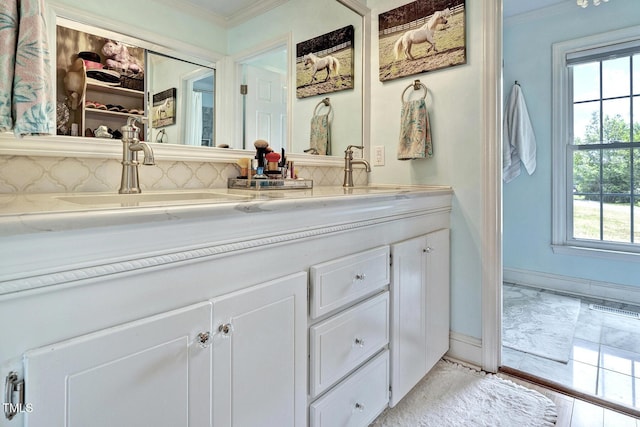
[{"x": 351, "y": 147}]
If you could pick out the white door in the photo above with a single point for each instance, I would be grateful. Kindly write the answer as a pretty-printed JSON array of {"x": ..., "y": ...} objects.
[
  {"x": 151, "y": 372},
  {"x": 260, "y": 355},
  {"x": 266, "y": 107},
  {"x": 419, "y": 309}
]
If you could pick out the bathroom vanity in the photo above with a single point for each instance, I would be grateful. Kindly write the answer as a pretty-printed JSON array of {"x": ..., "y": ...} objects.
[{"x": 316, "y": 307}]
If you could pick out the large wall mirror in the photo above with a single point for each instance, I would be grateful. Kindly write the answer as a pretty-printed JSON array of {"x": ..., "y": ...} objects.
[{"x": 192, "y": 96}]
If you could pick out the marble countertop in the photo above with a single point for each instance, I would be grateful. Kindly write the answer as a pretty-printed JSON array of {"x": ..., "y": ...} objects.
[
  {"x": 41, "y": 211},
  {"x": 28, "y": 213}
]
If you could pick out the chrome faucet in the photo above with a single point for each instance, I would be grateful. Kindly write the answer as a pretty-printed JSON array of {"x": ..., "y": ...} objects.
[
  {"x": 349, "y": 161},
  {"x": 129, "y": 183}
]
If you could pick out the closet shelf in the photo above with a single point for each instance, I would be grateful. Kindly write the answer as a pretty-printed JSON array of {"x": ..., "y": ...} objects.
[
  {"x": 115, "y": 90},
  {"x": 109, "y": 113}
]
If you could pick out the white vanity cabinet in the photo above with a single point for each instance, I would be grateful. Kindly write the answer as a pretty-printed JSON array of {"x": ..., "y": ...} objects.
[
  {"x": 419, "y": 309},
  {"x": 151, "y": 372},
  {"x": 293, "y": 310}
]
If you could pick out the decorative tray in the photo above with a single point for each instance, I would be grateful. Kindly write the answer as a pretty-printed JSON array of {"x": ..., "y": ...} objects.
[{"x": 269, "y": 184}]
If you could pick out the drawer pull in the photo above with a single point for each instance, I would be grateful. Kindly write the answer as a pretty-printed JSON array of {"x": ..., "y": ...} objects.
[
  {"x": 360, "y": 276},
  {"x": 359, "y": 342},
  {"x": 359, "y": 406},
  {"x": 225, "y": 329}
]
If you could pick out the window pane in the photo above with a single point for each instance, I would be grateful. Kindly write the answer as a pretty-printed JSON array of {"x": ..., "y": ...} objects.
[
  {"x": 586, "y": 82},
  {"x": 615, "y": 77},
  {"x": 616, "y": 175},
  {"x": 586, "y": 219},
  {"x": 616, "y": 126},
  {"x": 586, "y": 123},
  {"x": 586, "y": 174},
  {"x": 617, "y": 221}
]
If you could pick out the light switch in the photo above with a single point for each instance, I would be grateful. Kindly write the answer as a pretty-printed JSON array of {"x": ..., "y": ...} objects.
[{"x": 378, "y": 155}]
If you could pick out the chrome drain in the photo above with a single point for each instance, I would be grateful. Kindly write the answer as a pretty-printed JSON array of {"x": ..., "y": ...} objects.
[{"x": 618, "y": 311}]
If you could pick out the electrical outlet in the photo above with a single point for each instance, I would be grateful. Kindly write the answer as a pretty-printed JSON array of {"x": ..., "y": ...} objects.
[{"x": 378, "y": 155}]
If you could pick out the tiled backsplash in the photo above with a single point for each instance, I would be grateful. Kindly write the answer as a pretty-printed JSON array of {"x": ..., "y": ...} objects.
[{"x": 36, "y": 174}]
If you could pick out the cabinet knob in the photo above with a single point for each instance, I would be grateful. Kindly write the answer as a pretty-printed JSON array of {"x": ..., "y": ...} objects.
[
  {"x": 204, "y": 339},
  {"x": 359, "y": 342},
  {"x": 428, "y": 249},
  {"x": 360, "y": 276},
  {"x": 225, "y": 329},
  {"x": 359, "y": 406}
]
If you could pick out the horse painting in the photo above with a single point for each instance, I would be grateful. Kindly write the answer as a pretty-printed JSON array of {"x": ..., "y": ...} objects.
[
  {"x": 163, "y": 109},
  {"x": 420, "y": 35},
  {"x": 328, "y": 63}
]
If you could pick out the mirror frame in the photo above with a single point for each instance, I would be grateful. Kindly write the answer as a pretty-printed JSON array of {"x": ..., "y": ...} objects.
[{"x": 67, "y": 146}]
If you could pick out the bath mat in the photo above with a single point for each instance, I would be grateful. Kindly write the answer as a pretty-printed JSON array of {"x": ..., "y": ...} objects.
[
  {"x": 539, "y": 322},
  {"x": 452, "y": 395}
]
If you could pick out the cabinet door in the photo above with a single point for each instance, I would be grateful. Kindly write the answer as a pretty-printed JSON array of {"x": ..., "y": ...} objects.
[
  {"x": 419, "y": 309},
  {"x": 151, "y": 372},
  {"x": 260, "y": 355},
  {"x": 438, "y": 299}
]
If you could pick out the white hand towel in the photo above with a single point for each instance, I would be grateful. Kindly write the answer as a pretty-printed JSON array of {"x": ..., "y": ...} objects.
[{"x": 519, "y": 144}]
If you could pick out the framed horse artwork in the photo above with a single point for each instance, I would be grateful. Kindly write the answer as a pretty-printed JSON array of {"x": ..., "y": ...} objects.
[
  {"x": 163, "y": 111},
  {"x": 421, "y": 36},
  {"x": 324, "y": 64}
]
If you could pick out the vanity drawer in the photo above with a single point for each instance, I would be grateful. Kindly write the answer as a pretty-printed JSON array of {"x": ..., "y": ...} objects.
[
  {"x": 356, "y": 401},
  {"x": 341, "y": 343},
  {"x": 335, "y": 284}
]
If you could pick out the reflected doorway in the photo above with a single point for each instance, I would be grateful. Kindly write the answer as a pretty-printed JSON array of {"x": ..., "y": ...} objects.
[
  {"x": 264, "y": 98},
  {"x": 199, "y": 107}
]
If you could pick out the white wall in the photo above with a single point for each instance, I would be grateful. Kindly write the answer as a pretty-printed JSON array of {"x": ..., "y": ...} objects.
[
  {"x": 527, "y": 200},
  {"x": 455, "y": 109}
]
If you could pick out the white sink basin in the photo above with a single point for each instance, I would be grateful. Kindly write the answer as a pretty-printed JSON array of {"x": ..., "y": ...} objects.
[{"x": 150, "y": 199}]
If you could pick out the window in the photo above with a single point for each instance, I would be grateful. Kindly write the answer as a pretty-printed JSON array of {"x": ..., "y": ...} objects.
[{"x": 597, "y": 143}]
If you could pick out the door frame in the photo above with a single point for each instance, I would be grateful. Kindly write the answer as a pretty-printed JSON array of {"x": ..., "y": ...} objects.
[{"x": 492, "y": 186}]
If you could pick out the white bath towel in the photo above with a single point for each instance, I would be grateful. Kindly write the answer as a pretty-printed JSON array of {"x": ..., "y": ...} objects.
[
  {"x": 26, "y": 104},
  {"x": 519, "y": 144}
]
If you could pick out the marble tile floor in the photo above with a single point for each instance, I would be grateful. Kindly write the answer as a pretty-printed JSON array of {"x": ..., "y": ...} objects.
[{"x": 604, "y": 361}]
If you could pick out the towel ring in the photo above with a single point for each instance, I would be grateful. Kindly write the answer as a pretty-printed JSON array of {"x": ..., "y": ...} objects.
[
  {"x": 324, "y": 102},
  {"x": 416, "y": 85}
]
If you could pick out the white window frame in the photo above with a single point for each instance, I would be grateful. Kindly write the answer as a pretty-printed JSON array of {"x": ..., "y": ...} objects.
[{"x": 562, "y": 136}]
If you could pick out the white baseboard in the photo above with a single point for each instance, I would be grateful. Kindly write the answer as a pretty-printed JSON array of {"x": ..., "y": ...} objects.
[
  {"x": 573, "y": 285},
  {"x": 465, "y": 348}
]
